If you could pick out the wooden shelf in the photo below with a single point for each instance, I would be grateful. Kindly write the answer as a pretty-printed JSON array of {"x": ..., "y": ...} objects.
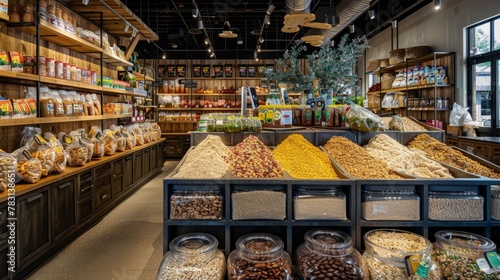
[
  {"x": 46, "y": 120},
  {"x": 70, "y": 119},
  {"x": 216, "y": 109},
  {"x": 417, "y": 87},
  {"x": 426, "y": 109},
  {"x": 55, "y": 35},
  {"x": 141, "y": 77},
  {"x": 4, "y": 17},
  {"x": 178, "y": 94},
  {"x": 170, "y": 122},
  {"x": 18, "y": 75},
  {"x": 19, "y": 121},
  {"x": 115, "y": 91},
  {"x": 110, "y": 117},
  {"x": 216, "y": 94},
  {"x": 68, "y": 83},
  {"x": 174, "y": 109}
]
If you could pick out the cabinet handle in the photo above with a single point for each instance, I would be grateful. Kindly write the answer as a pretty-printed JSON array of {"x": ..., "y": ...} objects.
[
  {"x": 86, "y": 189},
  {"x": 128, "y": 158},
  {"x": 33, "y": 198},
  {"x": 104, "y": 196},
  {"x": 146, "y": 151},
  {"x": 63, "y": 186}
]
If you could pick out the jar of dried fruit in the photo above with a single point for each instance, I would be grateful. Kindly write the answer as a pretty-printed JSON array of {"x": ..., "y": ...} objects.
[
  {"x": 399, "y": 254},
  {"x": 258, "y": 255},
  {"x": 329, "y": 254},
  {"x": 193, "y": 256},
  {"x": 457, "y": 253}
]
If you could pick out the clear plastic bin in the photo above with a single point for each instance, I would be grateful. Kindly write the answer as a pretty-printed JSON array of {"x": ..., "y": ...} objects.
[
  {"x": 196, "y": 205},
  {"x": 459, "y": 204},
  {"x": 390, "y": 203},
  {"x": 495, "y": 202},
  {"x": 319, "y": 204}
]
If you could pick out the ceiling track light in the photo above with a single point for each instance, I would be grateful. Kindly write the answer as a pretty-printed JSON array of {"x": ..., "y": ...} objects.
[
  {"x": 371, "y": 14},
  {"x": 200, "y": 23},
  {"x": 258, "y": 48},
  {"x": 270, "y": 10},
  {"x": 195, "y": 13},
  {"x": 164, "y": 55},
  {"x": 267, "y": 20},
  {"x": 134, "y": 32},
  {"x": 261, "y": 40},
  {"x": 352, "y": 28},
  {"x": 85, "y": 2},
  {"x": 437, "y": 4},
  {"x": 206, "y": 41},
  {"x": 209, "y": 50},
  {"x": 212, "y": 55},
  {"x": 127, "y": 27},
  {"x": 395, "y": 24}
]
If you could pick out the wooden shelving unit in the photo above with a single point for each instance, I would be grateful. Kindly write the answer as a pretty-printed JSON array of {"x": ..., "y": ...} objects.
[{"x": 4, "y": 17}]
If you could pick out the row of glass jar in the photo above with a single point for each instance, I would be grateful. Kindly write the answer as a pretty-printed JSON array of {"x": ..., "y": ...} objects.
[
  {"x": 329, "y": 254},
  {"x": 228, "y": 123},
  {"x": 438, "y": 103}
]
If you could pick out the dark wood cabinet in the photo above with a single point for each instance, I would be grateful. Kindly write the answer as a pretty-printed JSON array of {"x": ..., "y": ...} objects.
[
  {"x": 146, "y": 164},
  {"x": 3, "y": 224},
  {"x": 102, "y": 186},
  {"x": 3, "y": 260},
  {"x": 128, "y": 171},
  {"x": 137, "y": 166},
  {"x": 63, "y": 208},
  {"x": 116, "y": 178},
  {"x": 32, "y": 230},
  {"x": 153, "y": 163},
  {"x": 160, "y": 155}
]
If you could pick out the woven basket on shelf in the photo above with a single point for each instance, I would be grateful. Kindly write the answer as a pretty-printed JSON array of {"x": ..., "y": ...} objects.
[
  {"x": 373, "y": 65},
  {"x": 387, "y": 80},
  {"x": 397, "y": 56},
  {"x": 416, "y": 52},
  {"x": 384, "y": 62},
  {"x": 373, "y": 99}
]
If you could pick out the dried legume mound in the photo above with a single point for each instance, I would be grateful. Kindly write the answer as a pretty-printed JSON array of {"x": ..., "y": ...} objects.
[
  {"x": 356, "y": 161},
  {"x": 301, "y": 159},
  {"x": 440, "y": 151},
  {"x": 402, "y": 159},
  {"x": 207, "y": 160},
  {"x": 252, "y": 159}
]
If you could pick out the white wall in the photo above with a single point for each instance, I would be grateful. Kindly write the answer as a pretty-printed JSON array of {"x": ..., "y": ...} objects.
[{"x": 442, "y": 30}]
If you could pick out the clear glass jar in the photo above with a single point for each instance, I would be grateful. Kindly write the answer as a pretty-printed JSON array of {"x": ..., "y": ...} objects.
[
  {"x": 459, "y": 204},
  {"x": 257, "y": 125},
  {"x": 456, "y": 253},
  {"x": 390, "y": 203},
  {"x": 329, "y": 253},
  {"x": 387, "y": 251},
  {"x": 196, "y": 204},
  {"x": 259, "y": 254},
  {"x": 495, "y": 202},
  {"x": 319, "y": 204},
  {"x": 193, "y": 256}
]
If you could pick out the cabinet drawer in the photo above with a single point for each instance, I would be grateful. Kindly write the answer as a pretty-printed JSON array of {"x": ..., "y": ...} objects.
[
  {"x": 85, "y": 184},
  {"x": 102, "y": 196},
  {"x": 173, "y": 149},
  {"x": 63, "y": 207},
  {"x": 146, "y": 157},
  {"x": 102, "y": 182},
  {"x": 117, "y": 168},
  {"x": 483, "y": 151},
  {"x": 137, "y": 166},
  {"x": 128, "y": 171},
  {"x": 85, "y": 210},
  {"x": 160, "y": 153},
  {"x": 102, "y": 170},
  {"x": 153, "y": 161}
]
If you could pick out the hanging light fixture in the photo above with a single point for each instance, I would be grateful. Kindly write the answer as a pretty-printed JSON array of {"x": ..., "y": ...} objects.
[
  {"x": 270, "y": 9},
  {"x": 258, "y": 48},
  {"x": 134, "y": 32},
  {"x": 437, "y": 4},
  {"x": 164, "y": 55},
  {"x": 206, "y": 41},
  {"x": 200, "y": 23},
  {"x": 267, "y": 20},
  {"x": 352, "y": 28},
  {"x": 371, "y": 14},
  {"x": 261, "y": 40},
  {"x": 195, "y": 13}
]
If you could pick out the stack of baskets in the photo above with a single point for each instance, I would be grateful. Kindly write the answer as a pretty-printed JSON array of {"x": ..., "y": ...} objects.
[
  {"x": 416, "y": 52},
  {"x": 397, "y": 56}
]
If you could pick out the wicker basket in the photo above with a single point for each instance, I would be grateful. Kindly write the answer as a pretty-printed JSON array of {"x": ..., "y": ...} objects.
[
  {"x": 387, "y": 80},
  {"x": 416, "y": 52},
  {"x": 397, "y": 56},
  {"x": 373, "y": 65},
  {"x": 384, "y": 62},
  {"x": 373, "y": 99}
]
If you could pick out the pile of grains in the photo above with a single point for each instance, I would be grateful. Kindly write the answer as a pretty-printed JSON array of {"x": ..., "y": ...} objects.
[
  {"x": 301, "y": 159},
  {"x": 409, "y": 124},
  {"x": 248, "y": 205},
  {"x": 252, "y": 159},
  {"x": 400, "y": 158},
  {"x": 194, "y": 267},
  {"x": 441, "y": 152},
  {"x": 356, "y": 161},
  {"x": 206, "y": 160}
]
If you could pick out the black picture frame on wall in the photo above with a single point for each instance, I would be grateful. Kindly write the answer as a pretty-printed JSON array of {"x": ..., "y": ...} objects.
[
  {"x": 260, "y": 70},
  {"x": 181, "y": 70},
  {"x": 218, "y": 71},
  {"x": 205, "y": 70},
  {"x": 242, "y": 70},
  {"x": 228, "y": 70},
  {"x": 196, "y": 71},
  {"x": 251, "y": 69},
  {"x": 162, "y": 70},
  {"x": 170, "y": 70}
]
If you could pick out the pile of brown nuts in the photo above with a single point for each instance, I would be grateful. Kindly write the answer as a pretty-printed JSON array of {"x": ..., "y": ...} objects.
[
  {"x": 315, "y": 266},
  {"x": 196, "y": 205},
  {"x": 276, "y": 269}
]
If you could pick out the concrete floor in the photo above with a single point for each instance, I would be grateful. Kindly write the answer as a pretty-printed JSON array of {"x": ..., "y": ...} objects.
[{"x": 125, "y": 245}]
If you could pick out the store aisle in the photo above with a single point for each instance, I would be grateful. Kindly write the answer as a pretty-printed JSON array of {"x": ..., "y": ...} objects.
[{"x": 125, "y": 245}]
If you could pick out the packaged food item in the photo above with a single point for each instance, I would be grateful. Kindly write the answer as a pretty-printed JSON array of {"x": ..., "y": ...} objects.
[
  {"x": 6, "y": 110},
  {"x": 8, "y": 165},
  {"x": 390, "y": 203},
  {"x": 99, "y": 145},
  {"x": 59, "y": 70},
  {"x": 20, "y": 108},
  {"x": 110, "y": 144},
  {"x": 51, "y": 67},
  {"x": 156, "y": 131},
  {"x": 311, "y": 203},
  {"x": 78, "y": 105},
  {"x": 121, "y": 144},
  {"x": 4, "y": 61},
  {"x": 193, "y": 256},
  {"x": 60, "y": 161},
  {"x": 259, "y": 254},
  {"x": 363, "y": 120},
  {"x": 58, "y": 104},
  {"x": 80, "y": 134},
  {"x": 91, "y": 109},
  {"x": 29, "y": 169},
  {"x": 139, "y": 137},
  {"x": 389, "y": 250},
  {"x": 47, "y": 107},
  {"x": 458, "y": 253},
  {"x": 31, "y": 100},
  {"x": 77, "y": 153},
  {"x": 67, "y": 103},
  {"x": 130, "y": 140},
  {"x": 329, "y": 253},
  {"x": 29, "y": 65},
  {"x": 28, "y": 133},
  {"x": 41, "y": 150},
  {"x": 97, "y": 104},
  {"x": 146, "y": 132},
  {"x": 42, "y": 66},
  {"x": 17, "y": 61}
]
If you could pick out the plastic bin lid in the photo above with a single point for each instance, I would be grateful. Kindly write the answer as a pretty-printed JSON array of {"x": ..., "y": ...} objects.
[
  {"x": 389, "y": 188},
  {"x": 453, "y": 188}
]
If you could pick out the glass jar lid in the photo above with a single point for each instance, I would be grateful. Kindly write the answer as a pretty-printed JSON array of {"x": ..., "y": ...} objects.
[
  {"x": 464, "y": 243},
  {"x": 194, "y": 244},
  {"x": 260, "y": 247},
  {"x": 328, "y": 242}
]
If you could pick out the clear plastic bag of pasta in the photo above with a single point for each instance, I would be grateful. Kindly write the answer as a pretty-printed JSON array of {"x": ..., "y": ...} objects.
[
  {"x": 41, "y": 150},
  {"x": 130, "y": 140},
  {"x": 137, "y": 132},
  {"x": 78, "y": 153},
  {"x": 110, "y": 143},
  {"x": 60, "y": 161},
  {"x": 28, "y": 169},
  {"x": 146, "y": 132},
  {"x": 99, "y": 145},
  {"x": 361, "y": 119},
  {"x": 8, "y": 165},
  {"x": 80, "y": 135},
  {"x": 28, "y": 133}
]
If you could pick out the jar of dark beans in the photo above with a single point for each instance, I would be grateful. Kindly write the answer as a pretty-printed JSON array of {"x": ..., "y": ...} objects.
[
  {"x": 329, "y": 254},
  {"x": 259, "y": 256}
]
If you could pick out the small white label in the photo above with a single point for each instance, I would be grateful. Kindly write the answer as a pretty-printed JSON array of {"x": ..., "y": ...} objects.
[
  {"x": 219, "y": 122},
  {"x": 483, "y": 265}
]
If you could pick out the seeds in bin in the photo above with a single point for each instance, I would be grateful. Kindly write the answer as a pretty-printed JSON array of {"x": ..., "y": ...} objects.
[{"x": 203, "y": 206}]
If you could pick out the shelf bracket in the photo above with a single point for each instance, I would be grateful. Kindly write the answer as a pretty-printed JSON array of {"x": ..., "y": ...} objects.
[{"x": 131, "y": 47}]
